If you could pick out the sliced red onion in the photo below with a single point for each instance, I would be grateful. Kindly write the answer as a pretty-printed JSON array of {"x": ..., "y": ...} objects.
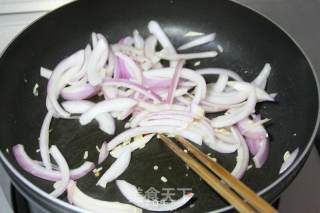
[
  {"x": 131, "y": 193},
  {"x": 103, "y": 154},
  {"x": 111, "y": 64},
  {"x": 179, "y": 92},
  {"x": 138, "y": 143},
  {"x": 150, "y": 47},
  {"x": 185, "y": 74},
  {"x": 79, "y": 92},
  {"x": 254, "y": 145},
  {"x": 121, "y": 71},
  {"x": 75, "y": 60},
  {"x": 104, "y": 57},
  {"x": 111, "y": 92},
  {"x": 181, "y": 117},
  {"x": 198, "y": 41},
  {"x": 106, "y": 123},
  {"x": 227, "y": 98},
  {"x": 77, "y": 107},
  {"x": 78, "y": 198},
  {"x": 251, "y": 129},
  {"x": 157, "y": 31},
  {"x": 128, "y": 40},
  {"x": 93, "y": 70},
  {"x": 243, "y": 155},
  {"x": 132, "y": 66},
  {"x": 46, "y": 73},
  {"x": 64, "y": 170},
  {"x": 117, "y": 104},
  {"x": 134, "y": 86},
  {"x": 126, "y": 49},
  {"x": 226, "y": 137},
  {"x": 137, "y": 118},
  {"x": 261, "y": 80},
  {"x": 44, "y": 140},
  {"x": 34, "y": 168},
  {"x": 138, "y": 40},
  {"x": 263, "y": 151},
  {"x": 221, "y": 83},
  {"x": 82, "y": 170},
  {"x": 244, "y": 86},
  {"x": 187, "y": 56},
  {"x": 221, "y": 147},
  {"x": 158, "y": 107},
  {"x": 273, "y": 95},
  {"x": 162, "y": 122},
  {"x": 105, "y": 120},
  {"x": 288, "y": 162},
  {"x": 156, "y": 83},
  {"x": 174, "y": 82},
  {"x": 116, "y": 169},
  {"x": 83, "y": 70},
  {"x": 94, "y": 39},
  {"x": 192, "y": 136},
  {"x": 219, "y": 71},
  {"x": 238, "y": 114},
  {"x": 140, "y": 131}
]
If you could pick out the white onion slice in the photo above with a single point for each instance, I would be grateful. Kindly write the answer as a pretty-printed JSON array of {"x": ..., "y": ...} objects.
[
  {"x": 219, "y": 71},
  {"x": 137, "y": 118},
  {"x": 150, "y": 47},
  {"x": 94, "y": 39},
  {"x": 263, "y": 151},
  {"x": 34, "y": 168},
  {"x": 167, "y": 73},
  {"x": 132, "y": 66},
  {"x": 238, "y": 114},
  {"x": 138, "y": 143},
  {"x": 74, "y": 61},
  {"x": 186, "y": 56},
  {"x": 79, "y": 92},
  {"x": 82, "y": 72},
  {"x": 227, "y": 98},
  {"x": 134, "y": 86},
  {"x": 103, "y": 154},
  {"x": 105, "y": 120},
  {"x": 242, "y": 157},
  {"x": 117, "y": 104},
  {"x": 64, "y": 169},
  {"x": 288, "y": 162},
  {"x": 131, "y": 193},
  {"x": 261, "y": 80},
  {"x": 157, "y": 31},
  {"x": 78, "y": 198},
  {"x": 198, "y": 41},
  {"x": 140, "y": 131},
  {"x": 221, "y": 83},
  {"x": 44, "y": 140},
  {"x": 174, "y": 82},
  {"x": 138, "y": 40},
  {"x": 116, "y": 169},
  {"x": 93, "y": 70}
]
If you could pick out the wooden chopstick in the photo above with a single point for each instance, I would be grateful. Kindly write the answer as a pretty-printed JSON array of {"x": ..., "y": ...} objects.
[
  {"x": 250, "y": 196},
  {"x": 208, "y": 177}
]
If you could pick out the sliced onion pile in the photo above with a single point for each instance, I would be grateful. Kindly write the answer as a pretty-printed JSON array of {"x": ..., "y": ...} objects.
[{"x": 134, "y": 83}]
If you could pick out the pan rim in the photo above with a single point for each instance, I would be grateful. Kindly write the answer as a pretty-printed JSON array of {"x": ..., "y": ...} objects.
[{"x": 300, "y": 159}]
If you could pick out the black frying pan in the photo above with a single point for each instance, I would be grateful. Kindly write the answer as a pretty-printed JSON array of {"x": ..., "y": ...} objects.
[{"x": 249, "y": 41}]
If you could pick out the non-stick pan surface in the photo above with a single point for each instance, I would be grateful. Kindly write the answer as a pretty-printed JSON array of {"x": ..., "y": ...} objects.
[{"x": 249, "y": 41}]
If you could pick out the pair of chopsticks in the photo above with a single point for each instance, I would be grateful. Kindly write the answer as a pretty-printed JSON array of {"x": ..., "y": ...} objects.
[{"x": 227, "y": 186}]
